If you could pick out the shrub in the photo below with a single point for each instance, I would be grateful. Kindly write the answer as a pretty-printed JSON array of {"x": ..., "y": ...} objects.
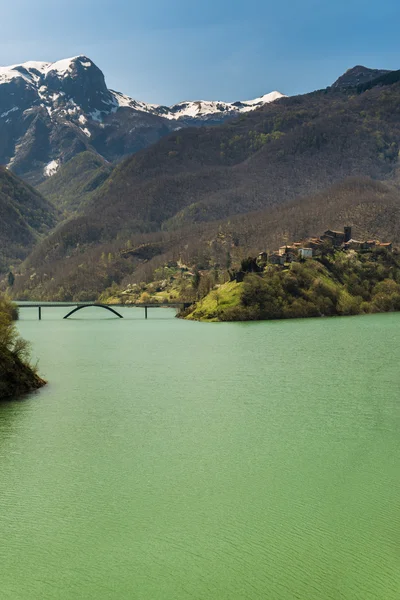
[
  {"x": 9, "y": 308},
  {"x": 263, "y": 296},
  {"x": 300, "y": 309},
  {"x": 348, "y": 304},
  {"x": 325, "y": 289}
]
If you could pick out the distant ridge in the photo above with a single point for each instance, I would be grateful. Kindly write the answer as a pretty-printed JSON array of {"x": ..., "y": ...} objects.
[
  {"x": 358, "y": 75},
  {"x": 50, "y": 112}
]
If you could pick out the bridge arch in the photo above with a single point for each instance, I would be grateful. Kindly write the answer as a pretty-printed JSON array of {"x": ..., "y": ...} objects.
[{"x": 99, "y": 305}]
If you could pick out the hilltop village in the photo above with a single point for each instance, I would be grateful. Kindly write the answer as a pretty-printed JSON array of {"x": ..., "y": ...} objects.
[
  {"x": 315, "y": 246},
  {"x": 331, "y": 258},
  {"x": 331, "y": 275}
]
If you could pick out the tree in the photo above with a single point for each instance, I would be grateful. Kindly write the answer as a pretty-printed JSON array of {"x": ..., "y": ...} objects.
[
  {"x": 249, "y": 265},
  {"x": 11, "y": 279},
  {"x": 196, "y": 279}
]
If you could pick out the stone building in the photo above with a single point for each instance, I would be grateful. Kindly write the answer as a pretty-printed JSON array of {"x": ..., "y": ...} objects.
[
  {"x": 337, "y": 238},
  {"x": 276, "y": 259}
]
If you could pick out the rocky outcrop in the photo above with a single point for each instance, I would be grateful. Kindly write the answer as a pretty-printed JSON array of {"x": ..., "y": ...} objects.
[
  {"x": 16, "y": 378},
  {"x": 358, "y": 75}
]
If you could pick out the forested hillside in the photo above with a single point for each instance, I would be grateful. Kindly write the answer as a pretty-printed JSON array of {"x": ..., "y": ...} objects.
[
  {"x": 25, "y": 217},
  {"x": 50, "y": 112},
  {"x": 71, "y": 187},
  {"x": 284, "y": 159},
  {"x": 372, "y": 208}
]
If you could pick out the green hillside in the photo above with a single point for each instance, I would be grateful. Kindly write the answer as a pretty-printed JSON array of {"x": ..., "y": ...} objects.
[{"x": 72, "y": 186}]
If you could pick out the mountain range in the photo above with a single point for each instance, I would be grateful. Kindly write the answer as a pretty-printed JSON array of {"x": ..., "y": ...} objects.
[
  {"x": 49, "y": 112},
  {"x": 291, "y": 167}
]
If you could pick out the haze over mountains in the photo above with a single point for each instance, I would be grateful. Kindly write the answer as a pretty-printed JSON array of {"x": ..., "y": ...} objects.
[
  {"x": 49, "y": 112},
  {"x": 288, "y": 168}
]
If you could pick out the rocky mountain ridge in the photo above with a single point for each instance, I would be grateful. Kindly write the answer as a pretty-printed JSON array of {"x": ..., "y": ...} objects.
[
  {"x": 49, "y": 112},
  {"x": 358, "y": 75}
]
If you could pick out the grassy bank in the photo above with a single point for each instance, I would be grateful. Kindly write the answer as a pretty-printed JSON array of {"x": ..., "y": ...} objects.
[
  {"x": 340, "y": 284},
  {"x": 17, "y": 376},
  {"x": 218, "y": 302}
]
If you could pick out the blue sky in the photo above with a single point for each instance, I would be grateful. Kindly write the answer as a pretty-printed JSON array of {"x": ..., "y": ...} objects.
[{"x": 164, "y": 51}]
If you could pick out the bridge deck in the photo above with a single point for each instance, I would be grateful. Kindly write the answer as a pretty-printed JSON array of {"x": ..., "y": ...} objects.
[
  {"x": 70, "y": 304},
  {"x": 76, "y": 306}
]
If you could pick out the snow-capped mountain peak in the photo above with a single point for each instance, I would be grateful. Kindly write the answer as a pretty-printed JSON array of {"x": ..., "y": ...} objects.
[
  {"x": 50, "y": 111},
  {"x": 36, "y": 70},
  {"x": 64, "y": 68},
  {"x": 195, "y": 109},
  {"x": 27, "y": 71}
]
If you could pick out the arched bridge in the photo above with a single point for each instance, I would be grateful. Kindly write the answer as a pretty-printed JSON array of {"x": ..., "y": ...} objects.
[
  {"x": 75, "y": 306},
  {"x": 74, "y": 310}
]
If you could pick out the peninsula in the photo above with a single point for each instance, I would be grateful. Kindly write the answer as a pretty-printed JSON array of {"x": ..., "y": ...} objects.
[{"x": 331, "y": 275}]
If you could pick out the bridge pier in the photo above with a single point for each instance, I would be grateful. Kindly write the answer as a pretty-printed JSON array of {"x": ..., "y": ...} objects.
[
  {"x": 145, "y": 312},
  {"x": 40, "y": 313}
]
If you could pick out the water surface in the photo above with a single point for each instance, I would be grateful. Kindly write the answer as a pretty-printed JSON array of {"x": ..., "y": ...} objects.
[{"x": 173, "y": 460}]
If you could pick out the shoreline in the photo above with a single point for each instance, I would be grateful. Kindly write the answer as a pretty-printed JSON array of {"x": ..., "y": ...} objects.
[{"x": 17, "y": 378}]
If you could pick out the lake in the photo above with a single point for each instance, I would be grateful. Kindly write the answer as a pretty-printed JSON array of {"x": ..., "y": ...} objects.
[{"x": 175, "y": 460}]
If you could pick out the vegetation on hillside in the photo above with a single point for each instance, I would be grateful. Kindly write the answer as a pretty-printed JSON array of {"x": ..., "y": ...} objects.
[
  {"x": 287, "y": 170},
  {"x": 17, "y": 376},
  {"x": 293, "y": 147},
  {"x": 337, "y": 283},
  {"x": 372, "y": 208},
  {"x": 25, "y": 217},
  {"x": 70, "y": 189}
]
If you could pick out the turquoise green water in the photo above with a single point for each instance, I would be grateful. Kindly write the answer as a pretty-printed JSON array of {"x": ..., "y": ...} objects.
[{"x": 173, "y": 460}]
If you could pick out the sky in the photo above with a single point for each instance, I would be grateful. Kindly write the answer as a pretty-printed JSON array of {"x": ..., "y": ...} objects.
[{"x": 166, "y": 51}]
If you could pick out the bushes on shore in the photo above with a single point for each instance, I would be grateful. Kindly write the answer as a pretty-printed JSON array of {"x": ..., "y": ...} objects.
[{"x": 17, "y": 376}]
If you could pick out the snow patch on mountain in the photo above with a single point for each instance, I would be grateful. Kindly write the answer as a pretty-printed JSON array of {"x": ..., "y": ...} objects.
[
  {"x": 195, "y": 109},
  {"x": 8, "y": 112},
  {"x": 35, "y": 66},
  {"x": 248, "y": 105},
  {"x": 63, "y": 67},
  {"x": 33, "y": 71},
  {"x": 95, "y": 115},
  {"x": 124, "y": 101},
  {"x": 51, "y": 168}
]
